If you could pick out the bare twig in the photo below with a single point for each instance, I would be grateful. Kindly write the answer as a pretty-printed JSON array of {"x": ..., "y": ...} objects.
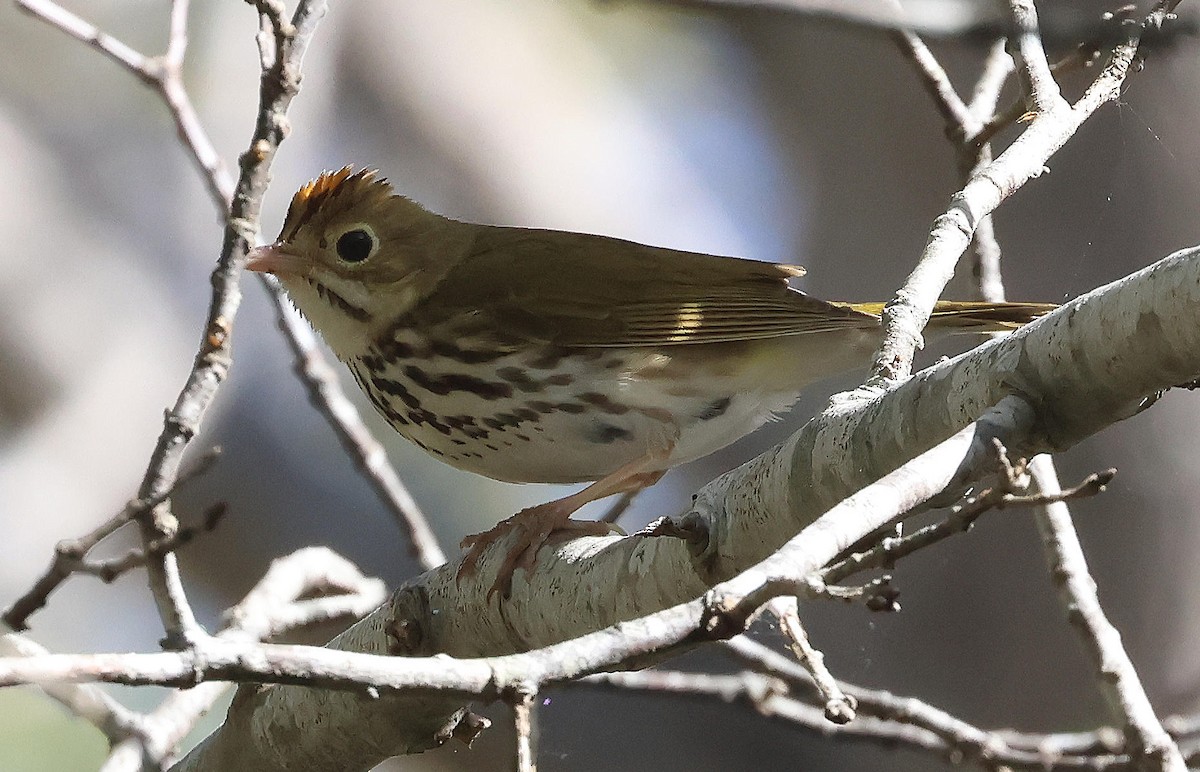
[
  {"x": 164, "y": 74},
  {"x": 1117, "y": 677},
  {"x": 278, "y": 86},
  {"x": 973, "y": 155},
  {"x": 275, "y": 605},
  {"x": 905, "y": 316},
  {"x": 1032, "y": 66},
  {"x": 84, "y": 700},
  {"x": 997, "y": 66},
  {"x": 964, "y": 123},
  {"x": 525, "y": 724},
  {"x": 70, "y": 555},
  {"x": 1004, "y": 493},
  {"x": 839, "y": 708},
  {"x": 879, "y": 594},
  {"x": 161, "y": 73},
  {"x": 766, "y": 698},
  {"x": 963, "y": 740},
  {"x": 893, "y": 722},
  {"x": 108, "y": 570},
  {"x": 954, "y": 112}
]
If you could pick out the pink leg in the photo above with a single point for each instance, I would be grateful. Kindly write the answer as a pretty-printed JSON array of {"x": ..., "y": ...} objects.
[{"x": 535, "y": 525}]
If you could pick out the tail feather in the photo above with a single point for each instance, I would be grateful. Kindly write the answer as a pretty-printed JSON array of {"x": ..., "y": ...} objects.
[{"x": 972, "y": 316}]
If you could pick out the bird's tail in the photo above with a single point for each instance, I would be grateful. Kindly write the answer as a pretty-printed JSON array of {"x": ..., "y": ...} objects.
[{"x": 970, "y": 316}]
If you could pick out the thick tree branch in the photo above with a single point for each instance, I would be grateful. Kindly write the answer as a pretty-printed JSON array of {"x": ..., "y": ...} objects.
[
  {"x": 851, "y": 445},
  {"x": 720, "y": 613}
]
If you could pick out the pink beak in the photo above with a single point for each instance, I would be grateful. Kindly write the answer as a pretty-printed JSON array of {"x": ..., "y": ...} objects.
[{"x": 273, "y": 258}]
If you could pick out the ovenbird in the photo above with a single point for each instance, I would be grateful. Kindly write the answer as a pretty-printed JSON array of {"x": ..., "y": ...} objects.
[{"x": 548, "y": 356}]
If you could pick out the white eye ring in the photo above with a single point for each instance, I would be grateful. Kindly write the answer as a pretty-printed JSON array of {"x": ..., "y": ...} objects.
[{"x": 356, "y": 244}]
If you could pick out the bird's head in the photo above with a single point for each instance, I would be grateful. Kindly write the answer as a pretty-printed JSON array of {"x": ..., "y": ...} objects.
[{"x": 353, "y": 255}]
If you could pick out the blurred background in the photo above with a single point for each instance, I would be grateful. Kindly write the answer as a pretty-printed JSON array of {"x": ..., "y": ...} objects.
[{"x": 741, "y": 131}]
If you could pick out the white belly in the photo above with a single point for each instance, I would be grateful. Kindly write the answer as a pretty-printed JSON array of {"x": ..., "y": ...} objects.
[{"x": 537, "y": 417}]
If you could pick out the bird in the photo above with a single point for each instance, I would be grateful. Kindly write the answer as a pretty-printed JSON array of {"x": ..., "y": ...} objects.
[{"x": 545, "y": 356}]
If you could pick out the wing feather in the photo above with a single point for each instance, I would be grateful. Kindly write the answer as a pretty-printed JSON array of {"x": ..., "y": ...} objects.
[{"x": 595, "y": 291}]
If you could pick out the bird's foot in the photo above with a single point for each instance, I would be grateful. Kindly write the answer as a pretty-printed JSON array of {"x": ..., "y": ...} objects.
[{"x": 534, "y": 527}]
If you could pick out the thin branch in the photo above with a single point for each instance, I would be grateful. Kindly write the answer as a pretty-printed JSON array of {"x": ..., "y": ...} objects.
[
  {"x": 87, "y": 701},
  {"x": 70, "y": 555},
  {"x": 278, "y": 85},
  {"x": 525, "y": 726},
  {"x": 997, "y": 66},
  {"x": 108, "y": 570},
  {"x": 60, "y": 18},
  {"x": 963, "y": 125},
  {"x": 974, "y": 155},
  {"x": 933, "y": 77},
  {"x": 274, "y": 606},
  {"x": 892, "y": 721},
  {"x": 1116, "y": 673},
  {"x": 164, "y": 74},
  {"x": 905, "y": 316},
  {"x": 839, "y": 708},
  {"x": 904, "y": 724},
  {"x": 1032, "y": 66},
  {"x": 962, "y": 740},
  {"x": 1004, "y": 493}
]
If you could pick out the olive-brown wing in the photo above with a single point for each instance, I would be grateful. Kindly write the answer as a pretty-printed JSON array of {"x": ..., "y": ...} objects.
[{"x": 585, "y": 290}]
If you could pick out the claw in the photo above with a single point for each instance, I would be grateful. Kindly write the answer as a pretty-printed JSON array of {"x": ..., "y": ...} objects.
[{"x": 534, "y": 527}]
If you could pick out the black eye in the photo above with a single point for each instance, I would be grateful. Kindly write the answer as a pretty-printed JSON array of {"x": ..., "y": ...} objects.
[{"x": 356, "y": 245}]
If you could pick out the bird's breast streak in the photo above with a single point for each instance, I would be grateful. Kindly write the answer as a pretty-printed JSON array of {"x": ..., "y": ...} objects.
[{"x": 544, "y": 414}]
